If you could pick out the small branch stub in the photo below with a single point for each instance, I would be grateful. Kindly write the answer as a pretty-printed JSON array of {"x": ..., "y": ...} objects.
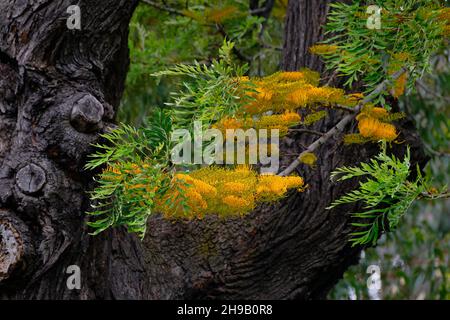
[
  {"x": 87, "y": 114},
  {"x": 31, "y": 179}
]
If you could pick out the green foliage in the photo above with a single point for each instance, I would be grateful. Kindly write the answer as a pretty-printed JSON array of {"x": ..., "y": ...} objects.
[
  {"x": 386, "y": 194},
  {"x": 413, "y": 260},
  {"x": 128, "y": 144},
  {"x": 158, "y": 40},
  {"x": 137, "y": 163},
  {"x": 212, "y": 92},
  {"x": 138, "y": 160},
  {"x": 430, "y": 107},
  {"x": 410, "y": 34},
  {"x": 124, "y": 196}
]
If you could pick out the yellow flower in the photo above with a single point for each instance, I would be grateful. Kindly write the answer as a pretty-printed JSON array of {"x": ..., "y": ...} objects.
[
  {"x": 308, "y": 158},
  {"x": 204, "y": 188},
  {"x": 182, "y": 177},
  {"x": 264, "y": 94},
  {"x": 446, "y": 31},
  {"x": 243, "y": 169},
  {"x": 323, "y": 49},
  {"x": 292, "y": 76},
  {"x": 236, "y": 202},
  {"x": 294, "y": 182},
  {"x": 218, "y": 15},
  {"x": 235, "y": 187},
  {"x": 222, "y": 191},
  {"x": 111, "y": 169},
  {"x": 400, "y": 85},
  {"x": 444, "y": 15},
  {"x": 375, "y": 129},
  {"x": 195, "y": 200},
  {"x": 299, "y": 97},
  {"x": 291, "y": 117},
  {"x": 229, "y": 123},
  {"x": 378, "y": 112}
]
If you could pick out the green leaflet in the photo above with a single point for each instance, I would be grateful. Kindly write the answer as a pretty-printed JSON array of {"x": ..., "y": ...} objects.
[
  {"x": 410, "y": 28},
  {"x": 385, "y": 192}
]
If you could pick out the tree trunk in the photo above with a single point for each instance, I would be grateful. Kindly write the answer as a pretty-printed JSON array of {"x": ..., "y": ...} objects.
[
  {"x": 59, "y": 89},
  {"x": 304, "y": 22}
]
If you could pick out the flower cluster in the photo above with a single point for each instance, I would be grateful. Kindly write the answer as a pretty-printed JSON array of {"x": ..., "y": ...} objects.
[
  {"x": 324, "y": 49},
  {"x": 194, "y": 195},
  {"x": 444, "y": 16},
  {"x": 283, "y": 91},
  {"x": 282, "y": 122},
  {"x": 213, "y": 15},
  {"x": 281, "y": 94},
  {"x": 397, "y": 61},
  {"x": 373, "y": 125}
]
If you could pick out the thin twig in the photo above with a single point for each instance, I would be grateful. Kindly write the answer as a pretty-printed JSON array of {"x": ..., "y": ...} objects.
[
  {"x": 428, "y": 196},
  {"x": 344, "y": 108},
  {"x": 271, "y": 47},
  {"x": 435, "y": 94},
  {"x": 332, "y": 77},
  {"x": 236, "y": 51},
  {"x": 317, "y": 133},
  {"x": 435, "y": 152},
  {"x": 220, "y": 27},
  {"x": 340, "y": 126},
  {"x": 164, "y": 7}
]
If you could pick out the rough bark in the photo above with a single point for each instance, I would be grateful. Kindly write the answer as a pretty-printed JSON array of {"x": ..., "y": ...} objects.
[
  {"x": 304, "y": 23},
  {"x": 59, "y": 90}
]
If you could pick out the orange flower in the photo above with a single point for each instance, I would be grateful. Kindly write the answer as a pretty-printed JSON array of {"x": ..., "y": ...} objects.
[
  {"x": 323, "y": 49},
  {"x": 291, "y": 117},
  {"x": 236, "y": 202},
  {"x": 373, "y": 128},
  {"x": 400, "y": 86},
  {"x": 292, "y": 76}
]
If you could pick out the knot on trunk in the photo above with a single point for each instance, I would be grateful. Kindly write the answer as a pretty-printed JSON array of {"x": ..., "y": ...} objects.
[
  {"x": 31, "y": 179},
  {"x": 12, "y": 244},
  {"x": 87, "y": 114}
]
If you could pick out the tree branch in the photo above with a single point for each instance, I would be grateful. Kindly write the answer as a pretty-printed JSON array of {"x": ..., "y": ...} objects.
[
  {"x": 220, "y": 27},
  {"x": 313, "y": 132},
  {"x": 339, "y": 128},
  {"x": 236, "y": 51},
  {"x": 435, "y": 152},
  {"x": 164, "y": 7},
  {"x": 428, "y": 196}
]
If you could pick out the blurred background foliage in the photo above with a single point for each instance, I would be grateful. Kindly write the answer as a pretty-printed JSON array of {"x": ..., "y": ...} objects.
[
  {"x": 164, "y": 33},
  {"x": 414, "y": 260}
]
